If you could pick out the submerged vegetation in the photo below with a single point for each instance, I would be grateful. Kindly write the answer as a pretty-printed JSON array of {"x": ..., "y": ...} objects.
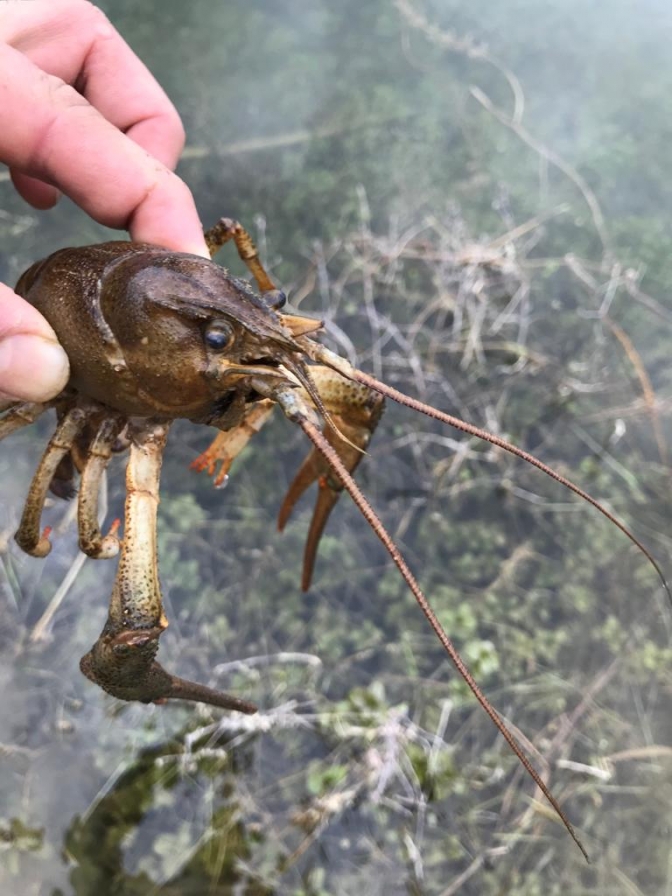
[{"x": 475, "y": 199}]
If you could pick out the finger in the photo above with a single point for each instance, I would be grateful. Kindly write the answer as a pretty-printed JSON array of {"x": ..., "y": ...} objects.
[
  {"x": 67, "y": 143},
  {"x": 73, "y": 40},
  {"x": 33, "y": 366},
  {"x": 36, "y": 192}
]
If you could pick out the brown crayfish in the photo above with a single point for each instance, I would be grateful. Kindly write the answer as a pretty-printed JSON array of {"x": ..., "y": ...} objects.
[{"x": 152, "y": 336}]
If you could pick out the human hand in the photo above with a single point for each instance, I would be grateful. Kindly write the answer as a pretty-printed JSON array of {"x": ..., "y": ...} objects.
[{"x": 80, "y": 114}]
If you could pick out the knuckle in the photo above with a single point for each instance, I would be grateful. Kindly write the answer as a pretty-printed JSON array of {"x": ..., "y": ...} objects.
[
  {"x": 64, "y": 99},
  {"x": 62, "y": 94}
]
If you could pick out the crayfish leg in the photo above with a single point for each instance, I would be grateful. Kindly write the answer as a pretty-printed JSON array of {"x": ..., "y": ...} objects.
[
  {"x": 20, "y": 414},
  {"x": 227, "y": 445},
  {"x": 63, "y": 482},
  {"x": 91, "y": 540},
  {"x": 122, "y": 661},
  {"x": 29, "y": 537},
  {"x": 227, "y": 229}
]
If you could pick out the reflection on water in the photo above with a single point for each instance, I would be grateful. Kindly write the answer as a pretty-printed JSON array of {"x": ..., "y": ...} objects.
[{"x": 482, "y": 225}]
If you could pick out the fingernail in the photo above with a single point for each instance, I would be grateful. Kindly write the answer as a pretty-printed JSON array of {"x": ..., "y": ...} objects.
[{"x": 32, "y": 368}]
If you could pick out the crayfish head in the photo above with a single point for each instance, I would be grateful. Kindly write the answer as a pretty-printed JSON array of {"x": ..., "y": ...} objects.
[
  {"x": 190, "y": 334},
  {"x": 154, "y": 332}
]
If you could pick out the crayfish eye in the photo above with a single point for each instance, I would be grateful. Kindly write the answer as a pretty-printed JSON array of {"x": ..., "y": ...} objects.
[{"x": 219, "y": 336}]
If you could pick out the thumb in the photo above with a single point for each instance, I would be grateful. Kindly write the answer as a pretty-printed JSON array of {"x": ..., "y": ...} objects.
[{"x": 33, "y": 366}]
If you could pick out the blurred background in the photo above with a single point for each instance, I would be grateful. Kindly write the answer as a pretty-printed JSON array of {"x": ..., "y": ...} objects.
[{"x": 476, "y": 199}]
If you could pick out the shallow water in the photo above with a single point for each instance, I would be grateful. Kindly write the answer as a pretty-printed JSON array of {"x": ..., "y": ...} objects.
[{"x": 463, "y": 254}]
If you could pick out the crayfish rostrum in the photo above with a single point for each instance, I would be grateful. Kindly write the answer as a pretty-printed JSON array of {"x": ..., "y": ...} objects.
[{"x": 152, "y": 336}]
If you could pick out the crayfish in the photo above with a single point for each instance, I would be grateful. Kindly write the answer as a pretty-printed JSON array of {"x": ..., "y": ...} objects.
[{"x": 153, "y": 336}]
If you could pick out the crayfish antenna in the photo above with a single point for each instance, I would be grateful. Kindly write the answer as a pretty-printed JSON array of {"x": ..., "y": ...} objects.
[
  {"x": 296, "y": 411},
  {"x": 325, "y": 356},
  {"x": 302, "y": 372}
]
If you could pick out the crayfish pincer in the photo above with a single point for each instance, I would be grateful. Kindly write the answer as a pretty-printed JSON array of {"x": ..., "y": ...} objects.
[{"x": 153, "y": 336}]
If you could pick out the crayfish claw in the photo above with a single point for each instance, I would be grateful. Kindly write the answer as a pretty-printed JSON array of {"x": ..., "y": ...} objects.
[
  {"x": 181, "y": 689},
  {"x": 354, "y": 412}
]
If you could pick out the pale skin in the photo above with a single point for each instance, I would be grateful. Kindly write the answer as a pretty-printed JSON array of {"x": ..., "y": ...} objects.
[{"x": 81, "y": 115}]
